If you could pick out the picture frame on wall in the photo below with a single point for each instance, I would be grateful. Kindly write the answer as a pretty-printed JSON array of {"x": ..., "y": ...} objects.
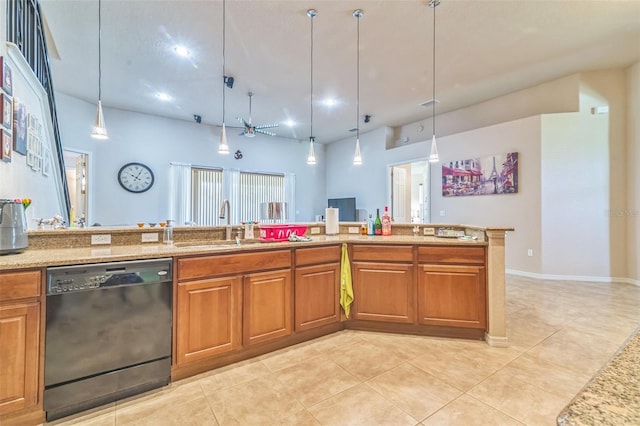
[
  {"x": 5, "y": 74},
  {"x": 5, "y": 140},
  {"x": 46, "y": 162},
  {"x": 19, "y": 127},
  {"x": 6, "y": 111},
  {"x": 491, "y": 175}
]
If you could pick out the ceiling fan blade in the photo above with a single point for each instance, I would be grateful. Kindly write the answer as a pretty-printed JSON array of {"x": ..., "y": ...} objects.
[
  {"x": 264, "y": 132},
  {"x": 267, "y": 126},
  {"x": 230, "y": 127}
]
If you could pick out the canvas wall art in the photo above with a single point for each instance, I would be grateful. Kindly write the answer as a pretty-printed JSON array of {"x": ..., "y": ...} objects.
[{"x": 495, "y": 174}]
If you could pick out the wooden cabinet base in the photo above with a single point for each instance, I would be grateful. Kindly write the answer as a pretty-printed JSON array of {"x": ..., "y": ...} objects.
[
  {"x": 26, "y": 417},
  {"x": 419, "y": 330},
  {"x": 197, "y": 367}
]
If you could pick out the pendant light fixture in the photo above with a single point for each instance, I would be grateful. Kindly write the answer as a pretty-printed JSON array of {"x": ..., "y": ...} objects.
[
  {"x": 99, "y": 130},
  {"x": 357, "y": 158},
  {"x": 311, "y": 158},
  {"x": 433, "y": 156},
  {"x": 223, "y": 147}
]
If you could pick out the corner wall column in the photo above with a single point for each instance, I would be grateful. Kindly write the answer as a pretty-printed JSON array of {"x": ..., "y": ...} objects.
[{"x": 496, "y": 335}]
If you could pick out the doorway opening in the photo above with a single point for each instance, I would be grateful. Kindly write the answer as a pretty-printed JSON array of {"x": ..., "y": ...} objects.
[
  {"x": 409, "y": 192},
  {"x": 76, "y": 167}
]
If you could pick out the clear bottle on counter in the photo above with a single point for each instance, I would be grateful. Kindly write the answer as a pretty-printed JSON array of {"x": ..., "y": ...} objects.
[
  {"x": 371, "y": 226},
  {"x": 167, "y": 233}
]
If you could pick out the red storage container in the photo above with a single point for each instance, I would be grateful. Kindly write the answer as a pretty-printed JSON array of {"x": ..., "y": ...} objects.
[{"x": 280, "y": 232}]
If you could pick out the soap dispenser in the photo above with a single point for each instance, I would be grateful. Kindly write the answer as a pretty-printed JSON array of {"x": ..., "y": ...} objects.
[{"x": 167, "y": 234}]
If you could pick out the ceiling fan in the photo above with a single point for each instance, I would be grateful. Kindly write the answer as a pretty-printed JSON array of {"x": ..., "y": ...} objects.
[{"x": 250, "y": 130}]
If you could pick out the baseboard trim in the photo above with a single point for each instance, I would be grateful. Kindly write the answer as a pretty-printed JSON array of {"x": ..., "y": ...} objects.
[
  {"x": 584, "y": 278},
  {"x": 496, "y": 341}
]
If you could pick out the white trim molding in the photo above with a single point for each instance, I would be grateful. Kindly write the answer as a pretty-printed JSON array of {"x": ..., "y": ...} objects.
[{"x": 584, "y": 278}]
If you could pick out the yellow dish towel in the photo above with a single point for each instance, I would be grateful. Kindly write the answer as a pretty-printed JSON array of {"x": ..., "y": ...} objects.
[{"x": 346, "y": 287}]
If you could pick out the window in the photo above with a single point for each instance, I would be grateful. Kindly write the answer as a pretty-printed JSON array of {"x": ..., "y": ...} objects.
[
  {"x": 256, "y": 189},
  {"x": 196, "y": 194},
  {"x": 206, "y": 195}
]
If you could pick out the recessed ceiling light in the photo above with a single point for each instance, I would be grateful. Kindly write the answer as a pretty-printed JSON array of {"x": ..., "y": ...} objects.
[
  {"x": 329, "y": 102},
  {"x": 182, "y": 51},
  {"x": 163, "y": 96},
  {"x": 290, "y": 123}
]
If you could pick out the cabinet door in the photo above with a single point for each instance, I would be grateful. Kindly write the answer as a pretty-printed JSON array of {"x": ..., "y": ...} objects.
[
  {"x": 267, "y": 306},
  {"x": 383, "y": 292},
  {"x": 19, "y": 355},
  {"x": 452, "y": 295},
  {"x": 209, "y": 318},
  {"x": 317, "y": 297}
]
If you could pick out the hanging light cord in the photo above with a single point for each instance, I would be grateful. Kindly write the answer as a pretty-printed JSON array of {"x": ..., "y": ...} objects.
[
  {"x": 358, "y": 82},
  {"x": 224, "y": 45},
  {"x": 99, "y": 50},
  {"x": 434, "y": 67},
  {"x": 311, "y": 138}
]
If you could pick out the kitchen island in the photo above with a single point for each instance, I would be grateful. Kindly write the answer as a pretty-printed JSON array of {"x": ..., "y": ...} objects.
[{"x": 233, "y": 302}]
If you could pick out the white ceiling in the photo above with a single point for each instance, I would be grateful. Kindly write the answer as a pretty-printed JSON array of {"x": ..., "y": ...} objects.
[{"x": 484, "y": 49}]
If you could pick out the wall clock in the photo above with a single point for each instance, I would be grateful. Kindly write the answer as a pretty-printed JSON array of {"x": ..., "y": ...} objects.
[{"x": 136, "y": 177}]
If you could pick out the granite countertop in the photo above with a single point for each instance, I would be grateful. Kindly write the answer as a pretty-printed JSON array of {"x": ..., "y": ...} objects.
[
  {"x": 612, "y": 397},
  {"x": 37, "y": 258}
]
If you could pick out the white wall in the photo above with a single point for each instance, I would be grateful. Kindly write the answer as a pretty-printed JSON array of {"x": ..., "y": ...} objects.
[
  {"x": 584, "y": 183},
  {"x": 367, "y": 182},
  {"x": 578, "y": 171},
  {"x": 158, "y": 141},
  {"x": 520, "y": 211},
  {"x": 17, "y": 180}
]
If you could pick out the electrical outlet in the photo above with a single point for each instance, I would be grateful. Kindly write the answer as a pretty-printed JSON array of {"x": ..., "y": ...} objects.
[
  {"x": 150, "y": 237},
  {"x": 442, "y": 213},
  {"x": 429, "y": 231},
  {"x": 530, "y": 252},
  {"x": 101, "y": 239},
  {"x": 354, "y": 230},
  {"x": 315, "y": 230}
]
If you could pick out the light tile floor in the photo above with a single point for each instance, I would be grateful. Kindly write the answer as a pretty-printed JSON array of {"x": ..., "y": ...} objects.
[{"x": 560, "y": 333}]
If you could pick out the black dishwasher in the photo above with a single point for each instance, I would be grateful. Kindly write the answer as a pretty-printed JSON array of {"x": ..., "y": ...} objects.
[{"x": 108, "y": 333}]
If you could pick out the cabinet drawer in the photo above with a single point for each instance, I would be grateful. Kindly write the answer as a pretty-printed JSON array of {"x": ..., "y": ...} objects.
[
  {"x": 384, "y": 253},
  {"x": 316, "y": 255},
  {"x": 20, "y": 285},
  {"x": 207, "y": 266},
  {"x": 451, "y": 255}
]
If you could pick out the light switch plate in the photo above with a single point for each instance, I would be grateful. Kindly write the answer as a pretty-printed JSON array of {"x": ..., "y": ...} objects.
[
  {"x": 354, "y": 230},
  {"x": 150, "y": 237},
  {"x": 429, "y": 231},
  {"x": 101, "y": 239},
  {"x": 315, "y": 230}
]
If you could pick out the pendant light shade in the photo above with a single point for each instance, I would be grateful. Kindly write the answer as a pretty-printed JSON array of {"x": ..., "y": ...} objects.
[
  {"x": 433, "y": 156},
  {"x": 357, "y": 158},
  {"x": 99, "y": 129},
  {"x": 223, "y": 146},
  {"x": 311, "y": 158}
]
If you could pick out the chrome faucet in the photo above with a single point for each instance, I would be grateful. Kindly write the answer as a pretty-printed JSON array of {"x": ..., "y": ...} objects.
[{"x": 226, "y": 204}]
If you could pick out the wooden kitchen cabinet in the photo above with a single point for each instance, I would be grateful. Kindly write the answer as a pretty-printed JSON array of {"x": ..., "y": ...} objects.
[
  {"x": 451, "y": 293},
  {"x": 317, "y": 287},
  {"x": 20, "y": 339},
  {"x": 383, "y": 284},
  {"x": 267, "y": 306},
  {"x": 214, "y": 310},
  {"x": 209, "y": 317}
]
